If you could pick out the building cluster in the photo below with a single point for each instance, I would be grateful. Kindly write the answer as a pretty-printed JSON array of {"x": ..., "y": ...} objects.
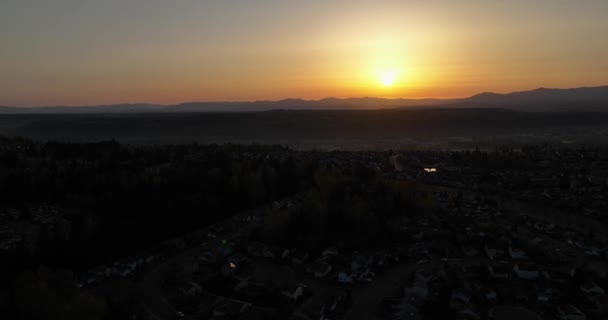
[
  {"x": 492, "y": 250},
  {"x": 471, "y": 260},
  {"x": 27, "y": 229}
]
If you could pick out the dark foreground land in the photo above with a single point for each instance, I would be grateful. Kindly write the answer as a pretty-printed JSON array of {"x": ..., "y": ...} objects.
[
  {"x": 113, "y": 231},
  {"x": 330, "y": 130}
]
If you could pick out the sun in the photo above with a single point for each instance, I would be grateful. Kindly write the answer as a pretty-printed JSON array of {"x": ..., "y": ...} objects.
[{"x": 387, "y": 77}]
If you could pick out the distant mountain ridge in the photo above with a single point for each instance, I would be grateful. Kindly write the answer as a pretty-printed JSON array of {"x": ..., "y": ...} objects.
[
  {"x": 300, "y": 104},
  {"x": 545, "y": 94},
  {"x": 113, "y": 108},
  {"x": 541, "y": 99},
  {"x": 544, "y": 99}
]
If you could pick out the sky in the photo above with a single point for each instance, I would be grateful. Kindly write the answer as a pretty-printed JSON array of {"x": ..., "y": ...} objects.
[{"x": 83, "y": 52}]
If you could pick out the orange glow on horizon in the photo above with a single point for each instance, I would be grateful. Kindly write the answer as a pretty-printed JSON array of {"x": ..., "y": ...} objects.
[{"x": 386, "y": 49}]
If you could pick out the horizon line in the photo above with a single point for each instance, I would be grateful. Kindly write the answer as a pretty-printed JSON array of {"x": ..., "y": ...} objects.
[{"x": 300, "y": 99}]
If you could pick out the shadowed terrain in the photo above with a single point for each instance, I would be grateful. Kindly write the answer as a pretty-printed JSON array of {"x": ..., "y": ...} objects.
[{"x": 323, "y": 129}]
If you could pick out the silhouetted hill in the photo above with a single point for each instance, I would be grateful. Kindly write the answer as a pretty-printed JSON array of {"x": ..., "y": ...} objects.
[
  {"x": 300, "y": 104},
  {"x": 545, "y": 94},
  {"x": 541, "y": 99}
]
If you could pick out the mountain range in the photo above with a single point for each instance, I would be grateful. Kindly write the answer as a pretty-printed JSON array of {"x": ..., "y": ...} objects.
[{"x": 537, "y": 100}]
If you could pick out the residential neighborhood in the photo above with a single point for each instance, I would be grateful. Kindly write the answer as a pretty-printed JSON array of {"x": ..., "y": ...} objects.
[{"x": 481, "y": 252}]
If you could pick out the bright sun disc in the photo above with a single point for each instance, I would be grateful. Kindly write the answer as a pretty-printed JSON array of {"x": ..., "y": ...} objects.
[{"x": 387, "y": 78}]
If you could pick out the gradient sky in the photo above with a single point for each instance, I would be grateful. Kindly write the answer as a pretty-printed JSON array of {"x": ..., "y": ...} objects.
[{"x": 77, "y": 52}]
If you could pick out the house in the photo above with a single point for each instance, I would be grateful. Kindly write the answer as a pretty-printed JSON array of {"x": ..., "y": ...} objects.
[
  {"x": 88, "y": 279},
  {"x": 490, "y": 252},
  {"x": 423, "y": 276},
  {"x": 209, "y": 258},
  {"x": 343, "y": 278},
  {"x": 470, "y": 251},
  {"x": 590, "y": 287},
  {"x": 500, "y": 272},
  {"x": 491, "y": 295},
  {"x": 299, "y": 291},
  {"x": 319, "y": 269},
  {"x": 468, "y": 314},
  {"x": 299, "y": 257},
  {"x": 240, "y": 286},
  {"x": 122, "y": 270},
  {"x": 517, "y": 254},
  {"x": 459, "y": 298},
  {"x": 570, "y": 312},
  {"x": 420, "y": 290},
  {"x": 544, "y": 295},
  {"x": 329, "y": 253},
  {"x": 366, "y": 275},
  {"x": 258, "y": 249},
  {"x": 526, "y": 271},
  {"x": 418, "y": 236},
  {"x": 510, "y": 313},
  {"x": 238, "y": 258},
  {"x": 229, "y": 269},
  {"x": 192, "y": 289}
]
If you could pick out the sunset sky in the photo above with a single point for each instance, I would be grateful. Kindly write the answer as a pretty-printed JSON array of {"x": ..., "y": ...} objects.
[{"x": 78, "y": 52}]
